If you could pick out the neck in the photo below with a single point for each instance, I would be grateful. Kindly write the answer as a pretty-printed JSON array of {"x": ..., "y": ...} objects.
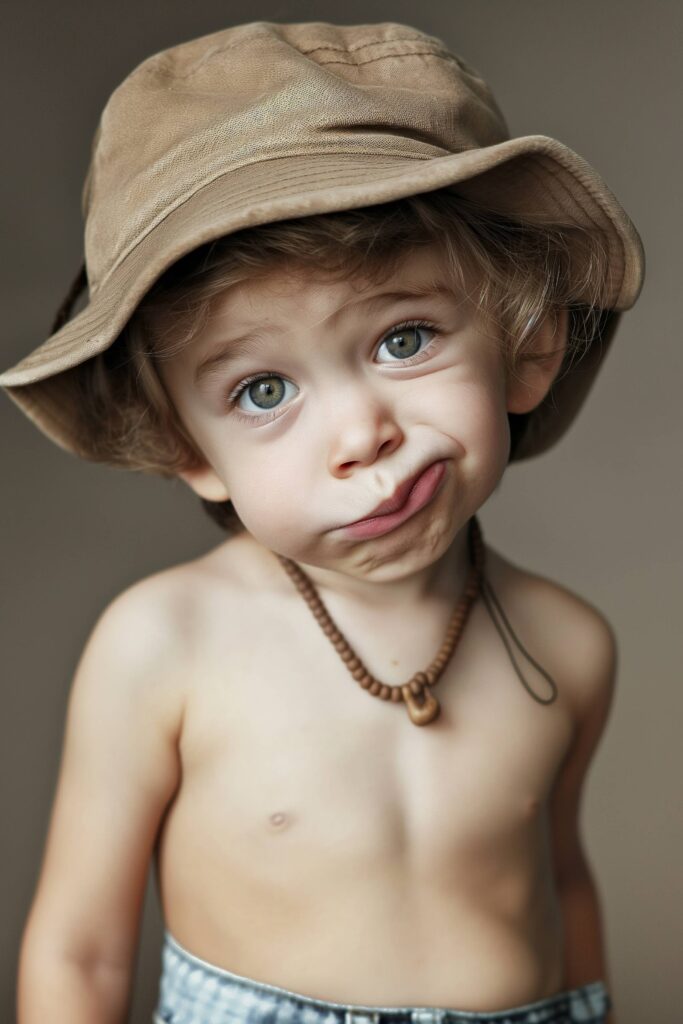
[{"x": 442, "y": 581}]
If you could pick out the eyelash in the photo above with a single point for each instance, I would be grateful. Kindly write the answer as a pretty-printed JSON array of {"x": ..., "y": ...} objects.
[{"x": 271, "y": 414}]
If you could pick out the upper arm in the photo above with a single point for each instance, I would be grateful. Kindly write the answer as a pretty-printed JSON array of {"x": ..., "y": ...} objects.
[
  {"x": 119, "y": 770},
  {"x": 595, "y": 658}
]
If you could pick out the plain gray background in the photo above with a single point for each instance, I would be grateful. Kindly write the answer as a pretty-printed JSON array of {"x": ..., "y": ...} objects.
[{"x": 600, "y": 512}]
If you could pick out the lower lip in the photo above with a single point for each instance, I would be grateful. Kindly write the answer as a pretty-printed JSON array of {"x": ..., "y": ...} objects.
[{"x": 422, "y": 492}]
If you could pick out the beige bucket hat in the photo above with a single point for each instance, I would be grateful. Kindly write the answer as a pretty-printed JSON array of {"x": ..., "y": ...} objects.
[{"x": 267, "y": 121}]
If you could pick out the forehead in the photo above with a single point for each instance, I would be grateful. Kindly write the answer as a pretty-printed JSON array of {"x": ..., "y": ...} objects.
[{"x": 319, "y": 295}]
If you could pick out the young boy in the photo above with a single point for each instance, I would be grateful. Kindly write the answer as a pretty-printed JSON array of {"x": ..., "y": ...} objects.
[{"x": 328, "y": 292}]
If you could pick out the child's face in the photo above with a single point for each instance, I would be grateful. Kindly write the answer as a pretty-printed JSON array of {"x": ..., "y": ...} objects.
[{"x": 350, "y": 407}]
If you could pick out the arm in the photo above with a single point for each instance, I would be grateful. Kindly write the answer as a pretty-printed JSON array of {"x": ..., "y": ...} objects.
[
  {"x": 584, "y": 945},
  {"x": 118, "y": 772}
]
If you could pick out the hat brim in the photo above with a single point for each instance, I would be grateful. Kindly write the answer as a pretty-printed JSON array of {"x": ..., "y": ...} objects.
[{"x": 532, "y": 178}]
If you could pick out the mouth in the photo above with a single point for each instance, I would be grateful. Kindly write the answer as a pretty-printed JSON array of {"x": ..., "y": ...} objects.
[{"x": 411, "y": 496}]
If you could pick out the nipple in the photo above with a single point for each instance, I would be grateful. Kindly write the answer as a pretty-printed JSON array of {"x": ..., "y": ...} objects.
[
  {"x": 531, "y": 806},
  {"x": 279, "y": 819}
]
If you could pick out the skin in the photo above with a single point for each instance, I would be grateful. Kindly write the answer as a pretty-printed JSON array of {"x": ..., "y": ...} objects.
[
  {"x": 304, "y": 833},
  {"x": 374, "y": 422}
]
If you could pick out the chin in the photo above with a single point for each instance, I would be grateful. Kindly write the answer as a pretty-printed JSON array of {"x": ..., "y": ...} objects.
[{"x": 400, "y": 555}]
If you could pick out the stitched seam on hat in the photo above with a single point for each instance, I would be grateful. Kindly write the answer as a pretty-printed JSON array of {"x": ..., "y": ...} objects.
[
  {"x": 339, "y": 178},
  {"x": 548, "y": 162},
  {"x": 303, "y": 178},
  {"x": 552, "y": 168},
  {"x": 342, "y": 179},
  {"x": 437, "y": 51},
  {"x": 386, "y": 56},
  {"x": 57, "y": 346},
  {"x": 124, "y": 255},
  {"x": 163, "y": 65},
  {"x": 622, "y": 245},
  {"x": 553, "y": 171},
  {"x": 375, "y": 42}
]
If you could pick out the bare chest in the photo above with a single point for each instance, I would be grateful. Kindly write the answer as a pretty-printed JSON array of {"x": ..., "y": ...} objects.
[
  {"x": 307, "y": 806},
  {"x": 285, "y": 756}
]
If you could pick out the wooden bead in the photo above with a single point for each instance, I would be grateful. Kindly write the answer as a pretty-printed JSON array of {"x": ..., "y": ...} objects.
[{"x": 422, "y": 706}]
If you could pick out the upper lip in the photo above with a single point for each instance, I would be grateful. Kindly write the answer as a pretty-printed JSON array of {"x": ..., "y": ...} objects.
[{"x": 398, "y": 498}]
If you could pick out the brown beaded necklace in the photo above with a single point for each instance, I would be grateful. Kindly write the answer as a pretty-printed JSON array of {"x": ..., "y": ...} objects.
[{"x": 423, "y": 707}]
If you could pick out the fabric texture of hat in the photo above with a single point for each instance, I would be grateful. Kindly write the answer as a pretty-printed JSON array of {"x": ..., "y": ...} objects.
[{"x": 267, "y": 121}]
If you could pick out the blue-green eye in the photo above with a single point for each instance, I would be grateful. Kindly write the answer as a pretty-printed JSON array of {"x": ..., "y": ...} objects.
[
  {"x": 268, "y": 391},
  {"x": 403, "y": 341},
  {"x": 265, "y": 392}
]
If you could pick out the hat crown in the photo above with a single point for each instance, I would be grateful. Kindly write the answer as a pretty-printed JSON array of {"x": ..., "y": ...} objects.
[
  {"x": 260, "y": 91},
  {"x": 264, "y": 122}
]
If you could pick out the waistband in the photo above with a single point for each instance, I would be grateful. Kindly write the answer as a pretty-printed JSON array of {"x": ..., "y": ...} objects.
[{"x": 193, "y": 991}]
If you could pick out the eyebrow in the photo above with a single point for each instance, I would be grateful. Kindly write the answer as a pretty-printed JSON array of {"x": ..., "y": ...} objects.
[{"x": 230, "y": 349}]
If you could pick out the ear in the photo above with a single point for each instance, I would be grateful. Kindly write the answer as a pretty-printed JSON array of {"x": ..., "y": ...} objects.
[
  {"x": 530, "y": 382},
  {"x": 205, "y": 482}
]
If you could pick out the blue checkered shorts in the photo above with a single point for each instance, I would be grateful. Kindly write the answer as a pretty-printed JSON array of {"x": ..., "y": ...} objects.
[{"x": 193, "y": 991}]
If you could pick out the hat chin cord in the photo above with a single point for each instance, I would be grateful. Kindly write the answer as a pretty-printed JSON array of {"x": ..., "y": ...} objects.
[{"x": 422, "y": 705}]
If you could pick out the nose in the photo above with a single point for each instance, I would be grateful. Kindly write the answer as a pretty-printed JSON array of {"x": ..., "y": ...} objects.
[{"x": 362, "y": 429}]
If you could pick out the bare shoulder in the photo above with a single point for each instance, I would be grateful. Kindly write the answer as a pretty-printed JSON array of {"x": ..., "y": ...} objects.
[
  {"x": 157, "y": 625},
  {"x": 147, "y": 637},
  {"x": 564, "y": 629}
]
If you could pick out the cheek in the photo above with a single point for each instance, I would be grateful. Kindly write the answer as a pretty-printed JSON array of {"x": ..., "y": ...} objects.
[
  {"x": 266, "y": 485},
  {"x": 480, "y": 428},
  {"x": 487, "y": 424},
  {"x": 473, "y": 414}
]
